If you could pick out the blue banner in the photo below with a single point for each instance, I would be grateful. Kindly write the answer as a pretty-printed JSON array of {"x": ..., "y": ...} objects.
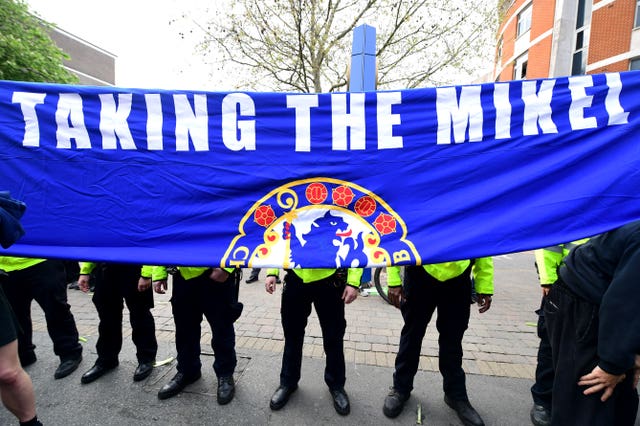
[{"x": 319, "y": 180}]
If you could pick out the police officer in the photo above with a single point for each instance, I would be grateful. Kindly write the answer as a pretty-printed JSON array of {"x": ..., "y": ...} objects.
[
  {"x": 115, "y": 282},
  {"x": 328, "y": 291},
  {"x": 44, "y": 281},
  {"x": 547, "y": 261},
  {"x": 199, "y": 291},
  {"x": 446, "y": 287}
]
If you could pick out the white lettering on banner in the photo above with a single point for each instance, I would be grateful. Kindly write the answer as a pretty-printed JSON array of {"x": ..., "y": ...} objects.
[
  {"x": 503, "y": 110},
  {"x": 617, "y": 115},
  {"x": 191, "y": 122},
  {"x": 463, "y": 115},
  {"x": 28, "y": 102},
  {"x": 354, "y": 120},
  {"x": 154, "y": 122},
  {"x": 537, "y": 107},
  {"x": 238, "y": 134},
  {"x": 113, "y": 121},
  {"x": 302, "y": 105},
  {"x": 581, "y": 101},
  {"x": 70, "y": 122},
  {"x": 387, "y": 120}
]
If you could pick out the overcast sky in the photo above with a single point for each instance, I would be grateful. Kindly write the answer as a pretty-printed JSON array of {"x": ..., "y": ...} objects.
[{"x": 150, "y": 53}]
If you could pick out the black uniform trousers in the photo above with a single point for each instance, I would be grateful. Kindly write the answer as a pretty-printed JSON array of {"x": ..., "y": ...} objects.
[
  {"x": 326, "y": 296},
  {"x": 45, "y": 283},
  {"x": 452, "y": 298},
  {"x": 114, "y": 283},
  {"x": 572, "y": 324},
  {"x": 190, "y": 300},
  {"x": 8, "y": 331},
  {"x": 541, "y": 390}
]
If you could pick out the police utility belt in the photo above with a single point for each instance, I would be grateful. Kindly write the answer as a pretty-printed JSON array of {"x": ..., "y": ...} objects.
[{"x": 338, "y": 278}]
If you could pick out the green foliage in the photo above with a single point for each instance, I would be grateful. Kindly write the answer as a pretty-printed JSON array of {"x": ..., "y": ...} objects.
[{"x": 27, "y": 53}]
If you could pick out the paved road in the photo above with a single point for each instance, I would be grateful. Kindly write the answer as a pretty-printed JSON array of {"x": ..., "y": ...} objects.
[{"x": 500, "y": 348}]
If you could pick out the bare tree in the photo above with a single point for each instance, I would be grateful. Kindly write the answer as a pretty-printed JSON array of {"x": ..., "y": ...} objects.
[{"x": 305, "y": 45}]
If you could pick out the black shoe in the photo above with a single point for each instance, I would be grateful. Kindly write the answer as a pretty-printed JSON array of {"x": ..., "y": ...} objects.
[
  {"x": 176, "y": 385},
  {"x": 278, "y": 281},
  {"x": 281, "y": 396},
  {"x": 394, "y": 403},
  {"x": 251, "y": 280},
  {"x": 540, "y": 416},
  {"x": 226, "y": 390},
  {"x": 95, "y": 372},
  {"x": 340, "y": 401},
  {"x": 465, "y": 411},
  {"x": 67, "y": 367},
  {"x": 28, "y": 359},
  {"x": 74, "y": 286},
  {"x": 143, "y": 371}
]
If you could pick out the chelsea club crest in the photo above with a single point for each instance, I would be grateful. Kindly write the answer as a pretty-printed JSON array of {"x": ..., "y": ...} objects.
[{"x": 320, "y": 223}]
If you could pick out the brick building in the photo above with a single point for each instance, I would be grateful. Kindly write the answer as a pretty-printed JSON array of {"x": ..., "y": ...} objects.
[{"x": 553, "y": 38}]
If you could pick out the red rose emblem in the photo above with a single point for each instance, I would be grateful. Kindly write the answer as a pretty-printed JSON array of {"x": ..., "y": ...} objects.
[
  {"x": 264, "y": 215},
  {"x": 365, "y": 206},
  {"x": 385, "y": 224},
  {"x": 316, "y": 193},
  {"x": 342, "y": 196}
]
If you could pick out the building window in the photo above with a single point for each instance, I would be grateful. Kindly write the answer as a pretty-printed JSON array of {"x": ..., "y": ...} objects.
[
  {"x": 581, "y": 18},
  {"x": 634, "y": 64},
  {"x": 499, "y": 52},
  {"x": 637, "y": 22},
  {"x": 579, "y": 62},
  {"x": 578, "y": 66},
  {"x": 524, "y": 21},
  {"x": 520, "y": 67}
]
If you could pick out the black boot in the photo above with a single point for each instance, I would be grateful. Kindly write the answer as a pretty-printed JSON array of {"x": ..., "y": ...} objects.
[
  {"x": 143, "y": 371},
  {"x": 341, "y": 401},
  {"x": 465, "y": 411},
  {"x": 97, "y": 371},
  {"x": 394, "y": 403},
  {"x": 281, "y": 396},
  {"x": 67, "y": 367},
  {"x": 226, "y": 390},
  {"x": 176, "y": 385}
]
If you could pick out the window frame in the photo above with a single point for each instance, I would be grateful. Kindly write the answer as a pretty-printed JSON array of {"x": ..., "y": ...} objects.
[
  {"x": 528, "y": 12},
  {"x": 580, "y": 42},
  {"x": 520, "y": 62}
]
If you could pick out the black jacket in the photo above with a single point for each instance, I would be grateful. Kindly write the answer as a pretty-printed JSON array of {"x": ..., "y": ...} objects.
[
  {"x": 606, "y": 272},
  {"x": 10, "y": 211}
]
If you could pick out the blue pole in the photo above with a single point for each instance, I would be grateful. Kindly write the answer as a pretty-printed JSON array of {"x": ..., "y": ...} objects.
[
  {"x": 363, "y": 59},
  {"x": 363, "y": 75}
]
